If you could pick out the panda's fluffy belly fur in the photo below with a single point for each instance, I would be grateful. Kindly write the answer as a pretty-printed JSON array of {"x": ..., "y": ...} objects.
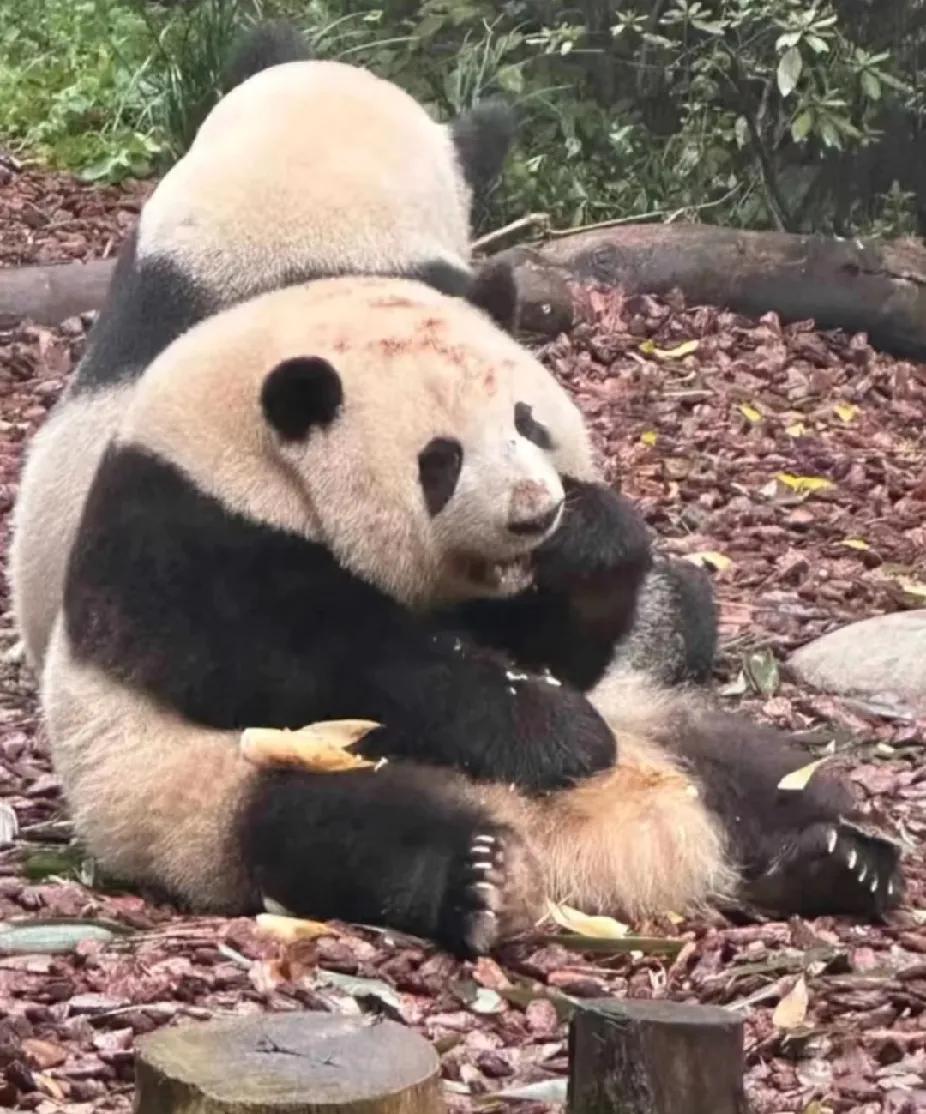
[
  {"x": 271, "y": 540},
  {"x": 156, "y": 799}
]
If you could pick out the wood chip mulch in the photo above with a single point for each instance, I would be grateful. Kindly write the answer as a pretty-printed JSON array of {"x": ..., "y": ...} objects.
[{"x": 700, "y": 439}]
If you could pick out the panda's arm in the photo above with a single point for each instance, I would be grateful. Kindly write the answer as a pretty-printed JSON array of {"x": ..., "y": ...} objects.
[
  {"x": 587, "y": 582},
  {"x": 235, "y": 624}
]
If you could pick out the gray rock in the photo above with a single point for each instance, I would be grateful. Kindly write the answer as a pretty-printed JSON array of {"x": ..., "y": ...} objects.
[{"x": 884, "y": 656}]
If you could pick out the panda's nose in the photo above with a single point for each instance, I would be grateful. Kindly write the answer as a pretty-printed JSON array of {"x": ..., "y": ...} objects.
[{"x": 535, "y": 524}]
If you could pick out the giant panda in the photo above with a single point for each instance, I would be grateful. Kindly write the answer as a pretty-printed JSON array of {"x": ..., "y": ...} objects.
[
  {"x": 360, "y": 498},
  {"x": 305, "y": 168}
]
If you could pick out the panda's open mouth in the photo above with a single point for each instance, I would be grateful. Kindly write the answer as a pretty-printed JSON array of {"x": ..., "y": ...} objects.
[{"x": 496, "y": 577}]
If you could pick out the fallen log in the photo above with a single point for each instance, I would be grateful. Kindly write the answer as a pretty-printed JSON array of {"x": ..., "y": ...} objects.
[
  {"x": 878, "y": 288},
  {"x": 644, "y": 1057},
  {"x": 874, "y": 287},
  {"x": 48, "y": 295},
  {"x": 290, "y": 1063}
]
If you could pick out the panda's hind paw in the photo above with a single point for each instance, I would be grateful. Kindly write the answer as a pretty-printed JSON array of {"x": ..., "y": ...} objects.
[
  {"x": 833, "y": 868},
  {"x": 493, "y": 893}
]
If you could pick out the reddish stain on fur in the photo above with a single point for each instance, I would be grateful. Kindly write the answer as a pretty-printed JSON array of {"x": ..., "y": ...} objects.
[
  {"x": 391, "y": 303},
  {"x": 341, "y": 344},
  {"x": 490, "y": 382},
  {"x": 392, "y": 346}
]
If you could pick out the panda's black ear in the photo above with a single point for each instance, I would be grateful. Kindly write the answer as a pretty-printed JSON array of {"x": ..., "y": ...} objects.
[
  {"x": 495, "y": 291},
  {"x": 483, "y": 137},
  {"x": 300, "y": 393}
]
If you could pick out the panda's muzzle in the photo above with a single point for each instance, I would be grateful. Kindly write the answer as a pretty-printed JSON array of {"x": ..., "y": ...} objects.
[{"x": 538, "y": 524}]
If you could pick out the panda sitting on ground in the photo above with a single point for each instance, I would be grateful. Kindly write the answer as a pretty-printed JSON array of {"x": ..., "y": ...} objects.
[
  {"x": 304, "y": 169},
  {"x": 361, "y": 499}
]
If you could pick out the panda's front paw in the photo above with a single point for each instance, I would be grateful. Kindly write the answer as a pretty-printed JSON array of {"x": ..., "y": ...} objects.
[
  {"x": 835, "y": 868},
  {"x": 598, "y": 556},
  {"x": 494, "y": 892},
  {"x": 560, "y": 738}
]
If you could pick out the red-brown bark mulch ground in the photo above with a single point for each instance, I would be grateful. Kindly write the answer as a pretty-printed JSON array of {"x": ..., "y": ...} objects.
[{"x": 702, "y": 440}]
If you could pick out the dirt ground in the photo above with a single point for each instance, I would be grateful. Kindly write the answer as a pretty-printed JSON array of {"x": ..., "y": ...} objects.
[{"x": 796, "y": 461}]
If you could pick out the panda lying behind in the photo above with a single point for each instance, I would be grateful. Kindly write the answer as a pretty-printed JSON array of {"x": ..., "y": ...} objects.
[{"x": 361, "y": 499}]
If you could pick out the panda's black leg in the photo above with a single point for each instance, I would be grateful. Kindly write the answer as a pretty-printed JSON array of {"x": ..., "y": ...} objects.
[
  {"x": 403, "y": 846},
  {"x": 799, "y": 851}
]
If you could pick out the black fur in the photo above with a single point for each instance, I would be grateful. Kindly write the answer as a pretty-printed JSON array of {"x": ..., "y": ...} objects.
[
  {"x": 587, "y": 577},
  {"x": 483, "y": 137},
  {"x": 780, "y": 839},
  {"x": 393, "y": 846},
  {"x": 439, "y": 464},
  {"x": 149, "y": 304},
  {"x": 494, "y": 290},
  {"x": 271, "y": 631},
  {"x": 300, "y": 393},
  {"x": 674, "y": 635},
  {"x": 268, "y": 44},
  {"x": 528, "y": 426}
]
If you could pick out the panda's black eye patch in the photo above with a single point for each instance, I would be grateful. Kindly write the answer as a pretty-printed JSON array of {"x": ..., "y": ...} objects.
[
  {"x": 439, "y": 464},
  {"x": 529, "y": 428}
]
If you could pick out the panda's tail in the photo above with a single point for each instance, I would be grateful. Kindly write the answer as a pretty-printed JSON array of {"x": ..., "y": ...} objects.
[{"x": 261, "y": 46}]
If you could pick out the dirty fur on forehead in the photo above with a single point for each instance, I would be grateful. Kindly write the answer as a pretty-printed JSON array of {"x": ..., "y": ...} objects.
[{"x": 404, "y": 322}]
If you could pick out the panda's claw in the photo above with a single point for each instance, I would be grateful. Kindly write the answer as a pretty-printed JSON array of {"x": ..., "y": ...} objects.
[
  {"x": 859, "y": 874},
  {"x": 498, "y": 884}
]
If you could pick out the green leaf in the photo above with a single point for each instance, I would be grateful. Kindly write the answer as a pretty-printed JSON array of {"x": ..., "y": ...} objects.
[
  {"x": 55, "y": 935},
  {"x": 761, "y": 671},
  {"x": 800, "y": 129},
  {"x": 871, "y": 85},
  {"x": 829, "y": 133},
  {"x": 360, "y": 988},
  {"x": 511, "y": 79},
  {"x": 789, "y": 70}
]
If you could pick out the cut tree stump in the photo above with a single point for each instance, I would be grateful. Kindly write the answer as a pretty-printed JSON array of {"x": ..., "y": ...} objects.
[
  {"x": 291, "y": 1063},
  {"x": 641, "y": 1057}
]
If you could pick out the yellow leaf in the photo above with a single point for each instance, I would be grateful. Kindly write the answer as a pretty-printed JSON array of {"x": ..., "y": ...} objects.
[
  {"x": 320, "y": 747},
  {"x": 649, "y": 437},
  {"x": 291, "y": 929},
  {"x": 803, "y": 484},
  {"x": 912, "y": 587},
  {"x": 601, "y": 928},
  {"x": 855, "y": 543},
  {"x": 684, "y": 349},
  {"x": 675, "y": 918},
  {"x": 795, "y": 429},
  {"x": 797, "y": 780},
  {"x": 709, "y": 557},
  {"x": 791, "y": 1011},
  {"x": 751, "y": 412},
  {"x": 846, "y": 411},
  {"x": 648, "y": 348}
]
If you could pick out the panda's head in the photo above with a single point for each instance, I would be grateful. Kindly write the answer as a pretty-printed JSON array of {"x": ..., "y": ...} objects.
[{"x": 397, "y": 426}]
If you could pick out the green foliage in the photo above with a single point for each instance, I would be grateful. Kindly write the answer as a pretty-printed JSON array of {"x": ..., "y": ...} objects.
[
  {"x": 74, "y": 86},
  {"x": 754, "y": 113}
]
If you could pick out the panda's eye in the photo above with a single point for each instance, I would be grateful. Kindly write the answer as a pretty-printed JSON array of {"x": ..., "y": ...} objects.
[
  {"x": 530, "y": 428},
  {"x": 439, "y": 464}
]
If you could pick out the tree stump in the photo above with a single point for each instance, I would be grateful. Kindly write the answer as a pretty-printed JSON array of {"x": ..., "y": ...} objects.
[
  {"x": 291, "y": 1063},
  {"x": 638, "y": 1057}
]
